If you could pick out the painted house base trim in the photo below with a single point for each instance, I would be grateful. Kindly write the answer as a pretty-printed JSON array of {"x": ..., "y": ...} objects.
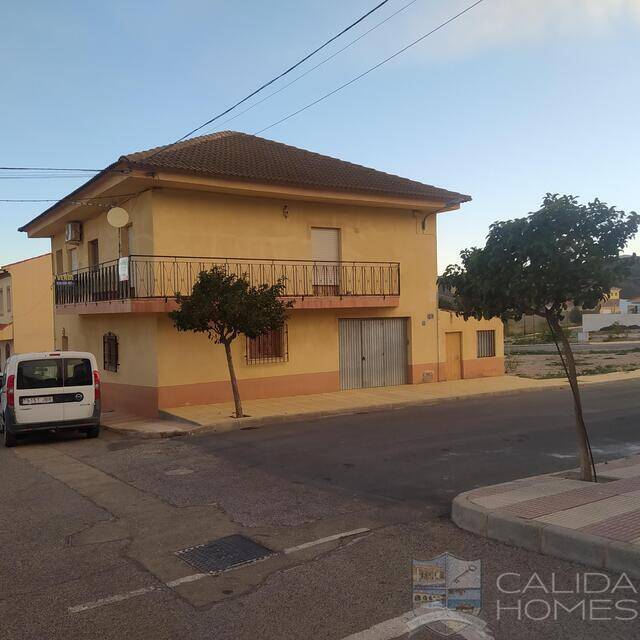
[
  {"x": 130, "y": 398},
  {"x": 471, "y": 368},
  {"x": 483, "y": 367},
  {"x": 250, "y": 389}
]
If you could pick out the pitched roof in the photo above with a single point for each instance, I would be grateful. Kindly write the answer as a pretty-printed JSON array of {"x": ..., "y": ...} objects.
[
  {"x": 240, "y": 156},
  {"x": 233, "y": 155}
]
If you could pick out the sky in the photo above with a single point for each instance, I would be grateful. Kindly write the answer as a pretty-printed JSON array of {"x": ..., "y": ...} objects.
[{"x": 514, "y": 99}]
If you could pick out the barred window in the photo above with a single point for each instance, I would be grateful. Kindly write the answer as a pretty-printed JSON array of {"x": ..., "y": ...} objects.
[
  {"x": 486, "y": 343},
  {"x": 269, "y": 347},
  {"x": 110, "y": 352}
]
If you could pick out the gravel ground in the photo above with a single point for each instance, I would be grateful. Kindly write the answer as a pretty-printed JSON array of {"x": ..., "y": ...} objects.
[{"x": 548, "y": 365}]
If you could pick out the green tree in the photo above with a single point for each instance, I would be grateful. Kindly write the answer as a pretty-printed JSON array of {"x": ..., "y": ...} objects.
[
  {"x": 575, "y": 315},
  {"x": 223, "y": 306},
  {"x": 564, "y": 252}
]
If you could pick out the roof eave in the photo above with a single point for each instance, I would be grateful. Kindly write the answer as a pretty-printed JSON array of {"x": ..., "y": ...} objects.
[
  {"x": 65, "y": 201},
  {"x": 448, "y": 200}
]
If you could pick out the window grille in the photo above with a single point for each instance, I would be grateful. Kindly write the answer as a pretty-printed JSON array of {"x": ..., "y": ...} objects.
[
  {"x": 269, "y": 347},
  {"x": 486, "y": 343},
  {"x": 110, "y": 352}
]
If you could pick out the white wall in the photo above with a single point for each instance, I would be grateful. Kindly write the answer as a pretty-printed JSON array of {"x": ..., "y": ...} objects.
[{"x": 595, "y": 321}]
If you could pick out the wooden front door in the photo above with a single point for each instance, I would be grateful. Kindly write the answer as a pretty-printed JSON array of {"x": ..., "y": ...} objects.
[{"x": 453, "y": 346}]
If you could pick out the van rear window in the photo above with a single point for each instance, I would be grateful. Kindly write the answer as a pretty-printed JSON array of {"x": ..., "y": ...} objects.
[
  {"x": 39, "y": 374},
  {"x": 77, "y": 372},
  {"x": 58, "y": 372}
]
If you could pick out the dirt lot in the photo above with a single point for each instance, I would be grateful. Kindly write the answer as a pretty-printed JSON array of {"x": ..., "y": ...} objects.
[{"x": 548, "y": 365}]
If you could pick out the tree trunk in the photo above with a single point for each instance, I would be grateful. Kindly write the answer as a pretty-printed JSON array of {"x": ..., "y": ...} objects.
[
  {"x": 586, "y": 469},
  {"x": 234, "y": 380}
]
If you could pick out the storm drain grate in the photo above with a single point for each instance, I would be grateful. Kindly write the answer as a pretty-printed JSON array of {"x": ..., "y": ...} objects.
[{"x": 224, "y": 553}]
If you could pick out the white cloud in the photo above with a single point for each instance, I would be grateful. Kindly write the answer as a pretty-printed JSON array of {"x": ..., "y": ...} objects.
[{"x": 496, "y": 23}]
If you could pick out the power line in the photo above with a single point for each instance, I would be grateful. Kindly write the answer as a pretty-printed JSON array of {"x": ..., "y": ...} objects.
[
  {"x": 306, "y": 73},
  {"x": 270, "y": 82},
  {"x": 46, "y": 169},
  {"x": 40, "y": 176},
  {"x": 52, "y": 173},
  {"x": 85, "y": 201},
  {"x": 368, "y": 71},
  {"x": 291, "y": 115}
]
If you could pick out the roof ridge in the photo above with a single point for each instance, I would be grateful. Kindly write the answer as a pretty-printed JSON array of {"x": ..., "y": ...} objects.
[{"x": 179, "y": 145}]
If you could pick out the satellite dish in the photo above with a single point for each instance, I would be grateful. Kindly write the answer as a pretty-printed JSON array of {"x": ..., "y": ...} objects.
[{"x": 118, "y": 217}]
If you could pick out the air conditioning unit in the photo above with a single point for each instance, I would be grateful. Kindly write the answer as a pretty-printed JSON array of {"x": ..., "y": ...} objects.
[{"x": 73, "y": 233}]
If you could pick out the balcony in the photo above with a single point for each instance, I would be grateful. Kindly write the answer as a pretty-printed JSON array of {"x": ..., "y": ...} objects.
[{"x": 151, "y": 283}]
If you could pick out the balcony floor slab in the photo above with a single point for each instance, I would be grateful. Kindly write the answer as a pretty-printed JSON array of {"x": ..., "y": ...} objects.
[{"x": 162, "y": 305}]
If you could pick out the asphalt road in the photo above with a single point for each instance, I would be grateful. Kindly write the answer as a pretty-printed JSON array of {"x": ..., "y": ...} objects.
[
  {"x": 430, "y": 454},
  {"x": 89, "y": 528}
]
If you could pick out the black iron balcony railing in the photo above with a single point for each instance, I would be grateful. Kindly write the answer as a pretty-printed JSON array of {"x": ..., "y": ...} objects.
[{"x": 166, "y": 276}]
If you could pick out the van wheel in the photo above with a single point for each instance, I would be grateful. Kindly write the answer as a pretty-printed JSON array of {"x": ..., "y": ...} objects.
[
  {"x": 93, "y": 432},
  {"x": 10, "y": 439}
]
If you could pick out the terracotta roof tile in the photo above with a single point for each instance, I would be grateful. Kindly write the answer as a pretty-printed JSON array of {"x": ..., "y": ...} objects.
[{"x": 240, "y": 156}]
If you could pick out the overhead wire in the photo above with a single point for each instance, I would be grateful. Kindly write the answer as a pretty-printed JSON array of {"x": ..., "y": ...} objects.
[
  {"x": 80, "y": 201},
  {"x": 312, "y": 69},
  {"x": 370, "y": 69},
  {"x": 274, "y": 79}
]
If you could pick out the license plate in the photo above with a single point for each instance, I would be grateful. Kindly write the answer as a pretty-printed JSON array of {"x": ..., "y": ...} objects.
[{"x": 38, "y": 400}]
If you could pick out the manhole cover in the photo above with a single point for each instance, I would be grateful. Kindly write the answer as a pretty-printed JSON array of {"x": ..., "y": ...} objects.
[{"x": 224, "y": 553}]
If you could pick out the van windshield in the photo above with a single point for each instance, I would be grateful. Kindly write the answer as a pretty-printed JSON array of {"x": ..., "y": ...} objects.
[{"x": 58, "y": 372}]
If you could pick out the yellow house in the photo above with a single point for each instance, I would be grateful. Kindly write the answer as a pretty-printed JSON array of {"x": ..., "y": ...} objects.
[
  {"x": 26, "y": 307},
  {"x": 357, "y": 249},
  {"x": 612, "y": 303}
]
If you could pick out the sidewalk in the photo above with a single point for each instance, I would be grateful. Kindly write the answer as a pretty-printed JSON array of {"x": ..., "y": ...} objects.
[
  {"x": 144, "y": 427},
  {"x": 593, "y": 524},
  {"x": 218, "y": 417}
]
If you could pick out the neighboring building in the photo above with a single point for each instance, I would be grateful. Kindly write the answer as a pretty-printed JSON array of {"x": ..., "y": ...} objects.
[
  {"x": 627, "y": 314},
  {"x": 26, "y": 307},
  {"x": 613, "y": 303},
  {"x": 357, "y": 248}
]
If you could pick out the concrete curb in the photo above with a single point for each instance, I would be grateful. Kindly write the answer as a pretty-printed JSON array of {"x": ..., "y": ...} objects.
[
  {"x": 547, "y": 539},
  {"x": 145, "y": 435}
]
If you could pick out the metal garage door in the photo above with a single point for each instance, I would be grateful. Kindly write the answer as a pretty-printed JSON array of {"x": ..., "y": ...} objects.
[{"x": 373, "y": 352}]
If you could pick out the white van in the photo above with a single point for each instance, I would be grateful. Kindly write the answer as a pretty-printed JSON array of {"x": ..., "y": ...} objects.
[{"x": 49, "y": 391}]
